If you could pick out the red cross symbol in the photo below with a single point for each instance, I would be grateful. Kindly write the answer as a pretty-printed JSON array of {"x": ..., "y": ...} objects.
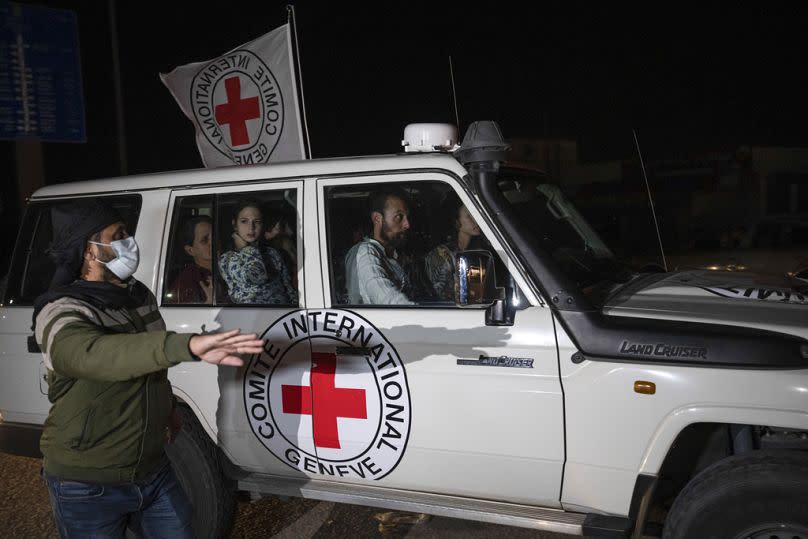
[
  {"x": 236, "y": 111},
  {"x": 328, "y": 402}
]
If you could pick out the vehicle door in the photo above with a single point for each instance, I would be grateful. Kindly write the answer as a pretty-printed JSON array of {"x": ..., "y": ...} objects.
[
  {"x": 23, "y": 378},
  {"x": 426, "y": 396},
  {"x": 233, "y": 259}
]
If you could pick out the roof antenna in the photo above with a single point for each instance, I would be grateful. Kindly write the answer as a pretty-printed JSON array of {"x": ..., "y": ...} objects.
[
  {"x": 454, "y": 95},
  {"x": 650, "y": 199}
]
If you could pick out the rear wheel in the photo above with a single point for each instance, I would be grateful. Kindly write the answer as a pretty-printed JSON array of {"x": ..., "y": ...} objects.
[
  {"x": 196, "y": 465},
  {"x": 759, "y": 495}
]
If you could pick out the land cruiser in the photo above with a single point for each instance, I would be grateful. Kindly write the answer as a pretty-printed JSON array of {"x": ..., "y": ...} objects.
[{"x": 557, "y": 391}]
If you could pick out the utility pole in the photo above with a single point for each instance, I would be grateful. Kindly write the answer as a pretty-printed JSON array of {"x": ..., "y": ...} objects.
[{"x": 116, "y": 70}]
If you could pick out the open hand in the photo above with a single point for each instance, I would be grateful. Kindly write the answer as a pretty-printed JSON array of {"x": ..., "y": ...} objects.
[{"x": 225, "y": 348}]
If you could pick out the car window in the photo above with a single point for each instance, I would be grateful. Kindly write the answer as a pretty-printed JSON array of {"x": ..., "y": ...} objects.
[
  {"x": 395, "y": 244},
  {"x": 31, "y": 266},
  {"x": 234, "y": 248}
]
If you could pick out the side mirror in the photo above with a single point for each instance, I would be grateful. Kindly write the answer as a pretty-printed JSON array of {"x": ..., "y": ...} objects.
[
  {"x": 476, "y": 278},
  {"x": 476, "y": 285}
]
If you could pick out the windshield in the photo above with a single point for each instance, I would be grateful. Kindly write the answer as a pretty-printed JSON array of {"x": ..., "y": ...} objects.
[{"x": 544, "y": 210}]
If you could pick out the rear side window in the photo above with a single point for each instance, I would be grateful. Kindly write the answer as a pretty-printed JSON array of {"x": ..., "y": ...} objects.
[
  {"x": 234, "y": 249},
  {"x": 31, "y": 267}
]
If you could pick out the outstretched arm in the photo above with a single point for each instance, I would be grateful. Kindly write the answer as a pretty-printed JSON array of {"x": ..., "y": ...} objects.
[{"x": 84, "y": 350}]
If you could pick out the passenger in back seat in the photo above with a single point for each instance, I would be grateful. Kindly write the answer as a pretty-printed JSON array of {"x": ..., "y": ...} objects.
[
  {"x": 254, "y": 271},
  {"x": 194, "y": 284}
]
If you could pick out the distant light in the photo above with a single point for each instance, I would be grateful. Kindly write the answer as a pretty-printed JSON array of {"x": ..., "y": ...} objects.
[{"x": 169, "y": 295}]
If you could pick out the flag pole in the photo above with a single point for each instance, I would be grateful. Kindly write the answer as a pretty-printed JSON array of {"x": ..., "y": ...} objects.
[{"x": 305, "y": 142}]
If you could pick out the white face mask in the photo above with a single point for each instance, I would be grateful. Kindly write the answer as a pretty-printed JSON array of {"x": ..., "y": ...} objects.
[{"x": 126, "y": 258}]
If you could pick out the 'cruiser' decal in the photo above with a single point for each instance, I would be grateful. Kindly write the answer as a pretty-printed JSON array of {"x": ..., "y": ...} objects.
[
  {"x": 765, "y": 294},
  {"x": 499, "y": 361},
  {"x": 329, "y": 395},
  {"x": 663, "y": 350}
]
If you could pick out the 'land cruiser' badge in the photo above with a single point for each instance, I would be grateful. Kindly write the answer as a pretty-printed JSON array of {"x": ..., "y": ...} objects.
[
  {"x": 238, "y": 106},
  {"x": 329, "y": 395}
]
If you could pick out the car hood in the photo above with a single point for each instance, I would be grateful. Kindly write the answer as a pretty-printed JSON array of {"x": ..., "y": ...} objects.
[{"x": 731, "y": 298}]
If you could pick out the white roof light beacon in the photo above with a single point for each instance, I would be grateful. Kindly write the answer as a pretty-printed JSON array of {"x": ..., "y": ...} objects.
[{"x": 430, "y": 137}]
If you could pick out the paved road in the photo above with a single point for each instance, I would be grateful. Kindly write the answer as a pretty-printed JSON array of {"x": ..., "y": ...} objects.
[{"x": 25, "y": 512}]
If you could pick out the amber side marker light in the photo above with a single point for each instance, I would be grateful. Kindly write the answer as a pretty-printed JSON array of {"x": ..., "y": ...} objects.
[{"x": 646, "y": 388}]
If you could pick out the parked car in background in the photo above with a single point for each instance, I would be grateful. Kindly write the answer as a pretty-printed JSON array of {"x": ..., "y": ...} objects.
[{"x": 771, "y": 245}]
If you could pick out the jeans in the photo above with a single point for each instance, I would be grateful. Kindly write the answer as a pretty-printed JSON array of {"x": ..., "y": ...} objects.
[{"x": 154, "y": 507}]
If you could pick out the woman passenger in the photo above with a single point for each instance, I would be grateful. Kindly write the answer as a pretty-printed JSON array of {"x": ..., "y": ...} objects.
[
  {"x": 194, "y": 283},
  {"x": 253, "y": 271},
  {"x": 440, "y": 261}
]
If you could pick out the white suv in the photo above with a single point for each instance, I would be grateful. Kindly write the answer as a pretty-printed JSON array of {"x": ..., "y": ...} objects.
[{"x": 556, "y": 392}]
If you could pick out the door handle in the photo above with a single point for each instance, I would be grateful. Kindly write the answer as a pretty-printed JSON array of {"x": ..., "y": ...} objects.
[{"x": 33, "y": 346}]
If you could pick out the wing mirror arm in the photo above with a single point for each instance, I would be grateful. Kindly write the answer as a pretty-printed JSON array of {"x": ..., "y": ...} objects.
[{"x": 501, "y": 312}]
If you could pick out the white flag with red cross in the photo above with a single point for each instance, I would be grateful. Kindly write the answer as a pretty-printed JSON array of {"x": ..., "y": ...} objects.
[{"x": 243, "y": 104}]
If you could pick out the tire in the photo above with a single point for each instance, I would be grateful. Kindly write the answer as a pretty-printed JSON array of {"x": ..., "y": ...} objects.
[
  {"x": 196, "y": 464},
  {"x": 761, "y": 494}
]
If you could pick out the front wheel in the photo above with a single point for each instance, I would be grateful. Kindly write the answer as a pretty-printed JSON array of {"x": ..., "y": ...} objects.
[
  {"x": 196, "y": 464},
  {"x": 759, "y": 495}
]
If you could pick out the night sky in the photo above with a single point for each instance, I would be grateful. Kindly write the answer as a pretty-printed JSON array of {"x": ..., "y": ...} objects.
[
  {"x": 687, "y": 79},
  {"x": 691, "y": 80}
]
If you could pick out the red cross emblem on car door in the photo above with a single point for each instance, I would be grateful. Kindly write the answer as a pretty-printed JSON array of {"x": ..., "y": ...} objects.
[
  {"x": 324, "y": 401},
  {"x": 329, "y": 395}
]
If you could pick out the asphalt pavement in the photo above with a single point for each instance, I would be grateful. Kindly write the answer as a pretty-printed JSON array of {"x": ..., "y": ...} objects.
[{"x": 25, "y": 513}]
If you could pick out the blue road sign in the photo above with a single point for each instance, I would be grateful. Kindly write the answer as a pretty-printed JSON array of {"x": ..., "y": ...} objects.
[{"x": 40, "y": 74}]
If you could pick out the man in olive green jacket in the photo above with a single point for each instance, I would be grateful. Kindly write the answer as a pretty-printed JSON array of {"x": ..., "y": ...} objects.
[{"x": 107, "y": 352}]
